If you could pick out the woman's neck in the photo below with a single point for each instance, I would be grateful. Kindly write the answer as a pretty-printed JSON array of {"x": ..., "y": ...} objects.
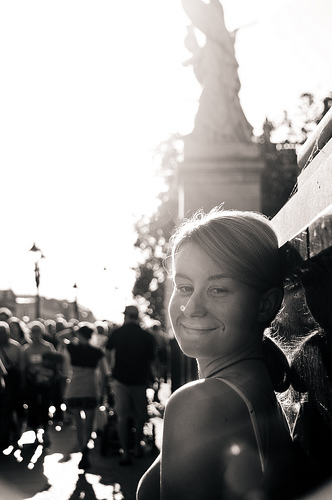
[{"x": 213, "y": 367}]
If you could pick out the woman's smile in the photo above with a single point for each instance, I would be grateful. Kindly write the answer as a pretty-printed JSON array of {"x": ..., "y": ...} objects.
[{"x": 197, "y": 328}]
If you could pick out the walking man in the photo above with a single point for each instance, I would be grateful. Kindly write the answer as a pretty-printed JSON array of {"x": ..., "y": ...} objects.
[{"x": 131, "y": 352}]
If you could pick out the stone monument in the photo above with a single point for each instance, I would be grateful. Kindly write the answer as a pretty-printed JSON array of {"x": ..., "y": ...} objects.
[{"x": 221, "y": 163}]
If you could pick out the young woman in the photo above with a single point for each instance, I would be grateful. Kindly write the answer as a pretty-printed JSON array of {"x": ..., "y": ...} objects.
[{"x": 225, "y": 436}]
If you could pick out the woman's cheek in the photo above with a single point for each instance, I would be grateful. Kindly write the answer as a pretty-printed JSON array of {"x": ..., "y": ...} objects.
[{"x": 174, "y": 307}]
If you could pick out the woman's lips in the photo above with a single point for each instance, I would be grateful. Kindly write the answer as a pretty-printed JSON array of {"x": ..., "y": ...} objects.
[{"x": 199, "y": 328}]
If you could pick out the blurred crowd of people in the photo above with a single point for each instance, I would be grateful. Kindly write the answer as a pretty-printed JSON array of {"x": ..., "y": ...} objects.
[{"x": 59, "y": 371}]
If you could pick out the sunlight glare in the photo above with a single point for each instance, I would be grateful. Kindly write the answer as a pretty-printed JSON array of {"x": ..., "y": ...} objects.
[
  {"x": 101, "y": 491},
  {"x": 7, "y": 451},
  {"x": 68, "y": 472},
  {"x": 18, "y": 456},
  {"x": 235, "y": 449},
  {"x": 28, "y": 437},
  {"x": 36, "y": 455}
]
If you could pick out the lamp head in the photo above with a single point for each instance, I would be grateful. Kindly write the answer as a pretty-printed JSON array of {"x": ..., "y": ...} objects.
[{"x": 36, "y": 250}]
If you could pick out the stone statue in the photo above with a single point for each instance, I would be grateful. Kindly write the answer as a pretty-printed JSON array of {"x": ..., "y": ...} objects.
[{"x": 220, "y": 118}]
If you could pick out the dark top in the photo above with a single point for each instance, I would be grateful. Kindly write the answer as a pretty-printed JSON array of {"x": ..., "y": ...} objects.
[
  {"x": 85, "y": 382},
  {"x": 134, "y": 352},
  {"x": 84, "y": 355}
]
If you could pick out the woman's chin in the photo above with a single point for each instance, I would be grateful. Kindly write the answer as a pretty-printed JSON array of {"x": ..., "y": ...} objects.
[{"x": 191, "y": 351}]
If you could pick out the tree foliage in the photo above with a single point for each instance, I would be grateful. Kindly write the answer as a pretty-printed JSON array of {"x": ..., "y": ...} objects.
[
  {"x": 279, "y": 143},
  {"x": 153, "y": 233},
  {"x": 295, "y": 128},
  {"x": 280, "y": 171}
]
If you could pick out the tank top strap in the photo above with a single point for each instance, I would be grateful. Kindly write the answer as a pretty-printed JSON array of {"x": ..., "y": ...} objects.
[{"x": 252, "y": 417}]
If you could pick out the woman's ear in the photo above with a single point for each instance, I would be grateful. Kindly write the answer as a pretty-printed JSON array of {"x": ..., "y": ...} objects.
[{"x": 270, "y": 304}]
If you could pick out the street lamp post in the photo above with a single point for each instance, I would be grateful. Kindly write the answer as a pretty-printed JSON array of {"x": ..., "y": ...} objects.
[
  {"x": 76, "y": 310},
  {"x": 39, "y": 255}
]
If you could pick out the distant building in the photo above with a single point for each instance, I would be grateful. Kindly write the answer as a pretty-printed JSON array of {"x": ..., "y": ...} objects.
[
  {"x": 24, "y": 307},
  {"x": 8, "y": 299}
]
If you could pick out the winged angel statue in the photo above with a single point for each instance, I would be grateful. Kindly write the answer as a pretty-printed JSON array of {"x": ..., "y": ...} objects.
[{"x": 220, "y": 118}]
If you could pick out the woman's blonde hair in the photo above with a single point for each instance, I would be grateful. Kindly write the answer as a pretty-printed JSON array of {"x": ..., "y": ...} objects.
[{"x": 243, "y": 241}]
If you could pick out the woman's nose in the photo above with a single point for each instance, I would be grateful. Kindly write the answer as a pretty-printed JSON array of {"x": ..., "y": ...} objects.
[{"x": 194, "y": 307}]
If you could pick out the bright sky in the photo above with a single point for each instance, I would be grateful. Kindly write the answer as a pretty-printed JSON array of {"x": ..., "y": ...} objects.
[{"x": 88, "y": 90}]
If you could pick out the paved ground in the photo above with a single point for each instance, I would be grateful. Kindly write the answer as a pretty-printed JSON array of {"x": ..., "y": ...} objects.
[{"x": 52, "y": 473}]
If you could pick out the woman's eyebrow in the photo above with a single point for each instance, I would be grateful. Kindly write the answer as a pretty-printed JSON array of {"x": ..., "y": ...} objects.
[
  {"x": 210, "y": 278},
  {"x": 217, "y": 277},
  {"x": 181, "y": 275}
]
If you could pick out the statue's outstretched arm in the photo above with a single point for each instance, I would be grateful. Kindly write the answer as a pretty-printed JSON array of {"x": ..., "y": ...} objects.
[
  {"x": 190, "y": 41},
  {"x": 209, "y": 18}
]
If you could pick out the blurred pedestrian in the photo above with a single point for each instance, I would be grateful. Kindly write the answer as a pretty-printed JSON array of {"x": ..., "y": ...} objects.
[
  {"x": 18, "y": 330},
  {"x": 42, "y": 366},
  {"x": 50, "y": 329},
  {"x": 83, "y": 391},
  {"x": 131, "y": 352},
  {"x": 5, "y": 314},
  {"x": 100, "y": 338},
  {"x": 162, "y": 352},
  {"x": 11, "y": 394},
  {"x": 60, "y": 323}
]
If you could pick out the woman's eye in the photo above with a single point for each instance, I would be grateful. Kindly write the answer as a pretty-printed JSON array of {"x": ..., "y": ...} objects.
[
  {"x": 183, "y": 288},
  {"x": 218, "y": 290}
]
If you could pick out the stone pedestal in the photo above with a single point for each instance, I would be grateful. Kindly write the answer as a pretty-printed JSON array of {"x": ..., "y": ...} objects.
[{"x": 211, "y": 174}]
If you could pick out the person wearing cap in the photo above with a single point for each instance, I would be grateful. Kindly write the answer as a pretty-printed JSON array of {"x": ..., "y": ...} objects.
[
  {"x": 83, "y": 390},
  {"x": 131, "y": 352}
]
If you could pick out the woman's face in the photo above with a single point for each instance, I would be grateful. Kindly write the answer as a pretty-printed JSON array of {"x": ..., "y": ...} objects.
[{"x": 212, "y": 314}]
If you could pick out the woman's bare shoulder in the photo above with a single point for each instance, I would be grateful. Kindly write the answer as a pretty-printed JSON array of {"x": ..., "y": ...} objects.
[
  {"x": 202, "y": 400},
  {"x": 202, "y": 389},
  {"x": 202, "y": 422}
]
